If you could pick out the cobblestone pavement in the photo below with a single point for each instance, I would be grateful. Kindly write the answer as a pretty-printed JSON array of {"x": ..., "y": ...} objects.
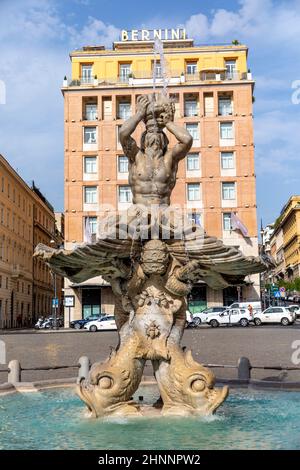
[{"x": 265, "y": 345}]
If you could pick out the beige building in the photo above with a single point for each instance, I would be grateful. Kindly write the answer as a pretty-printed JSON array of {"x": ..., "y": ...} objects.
[
  {"x": 285, "y": 242},
  {"x": 212, "y": 89},
  {"x": 27, "y": 218}
]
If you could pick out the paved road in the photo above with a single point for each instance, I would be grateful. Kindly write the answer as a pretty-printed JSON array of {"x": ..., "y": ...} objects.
[{"x": 265, "y": 345}]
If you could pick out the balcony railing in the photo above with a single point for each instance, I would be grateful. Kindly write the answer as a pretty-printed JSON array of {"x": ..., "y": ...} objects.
[
  {"x": 172, "y": 76},
  {"x": 90, "y": 117},
  {"x": 87, "y": 80}
]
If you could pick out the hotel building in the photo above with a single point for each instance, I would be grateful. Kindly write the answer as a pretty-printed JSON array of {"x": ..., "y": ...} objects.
[{"x": 212, "y": 89}]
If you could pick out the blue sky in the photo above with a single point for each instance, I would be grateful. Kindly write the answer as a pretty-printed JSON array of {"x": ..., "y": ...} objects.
[{"x": 37, "y": 35}]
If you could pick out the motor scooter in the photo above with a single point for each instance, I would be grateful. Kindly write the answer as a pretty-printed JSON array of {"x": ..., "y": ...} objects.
[{"x": 39, "y": 323}]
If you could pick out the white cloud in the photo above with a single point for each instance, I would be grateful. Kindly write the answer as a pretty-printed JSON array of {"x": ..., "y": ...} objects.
[
  {"x": 263, "y": 21},
  {"x": 34, "y": 46},
  {"x": 94, "y": 32},
  {"x": 197, "y": 26}
]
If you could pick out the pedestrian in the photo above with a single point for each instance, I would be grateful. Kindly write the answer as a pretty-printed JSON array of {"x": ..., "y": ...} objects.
[
  {"x": 19, "y": 320},
  {"x": 250, "y": 309}
]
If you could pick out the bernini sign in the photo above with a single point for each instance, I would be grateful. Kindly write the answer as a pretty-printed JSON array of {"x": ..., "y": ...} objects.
[{"x": 152, "y": 34}]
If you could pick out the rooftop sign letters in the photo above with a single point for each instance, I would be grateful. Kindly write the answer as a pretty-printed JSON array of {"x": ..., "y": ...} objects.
[{"x": 152, "y": 34}]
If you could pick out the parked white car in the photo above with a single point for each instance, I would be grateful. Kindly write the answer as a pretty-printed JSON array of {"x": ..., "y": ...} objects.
[
  {"x": 295, "y": 309},
  {"x": 103, "y": 323},
  {"x": 281, "y": 315},
  {"x": 201, "y": 317},
  {"x": 231, "y": 316}
]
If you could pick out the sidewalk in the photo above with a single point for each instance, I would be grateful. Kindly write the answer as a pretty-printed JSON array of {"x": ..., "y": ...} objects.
[{"x": 43, "y": 331}]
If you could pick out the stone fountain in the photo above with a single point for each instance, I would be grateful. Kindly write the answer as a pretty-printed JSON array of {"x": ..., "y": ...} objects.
[{"x": 151, "y": 260}]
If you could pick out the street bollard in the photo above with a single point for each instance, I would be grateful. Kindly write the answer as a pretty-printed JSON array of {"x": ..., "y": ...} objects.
[
  {"x": 14, "y": 374},
  {"x": 244, "y": 369},
  {"x": 84, "y": 368}
]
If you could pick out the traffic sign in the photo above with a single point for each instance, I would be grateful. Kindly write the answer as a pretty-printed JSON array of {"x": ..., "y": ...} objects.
[
  {"x": 69, "y": 300},
  {"x": 282, "y": 289},
  {"x": 54, "y": 302},
  {"x": 277, "y": 294}
]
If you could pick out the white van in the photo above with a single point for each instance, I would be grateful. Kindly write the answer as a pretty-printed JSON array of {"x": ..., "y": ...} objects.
[{"x": 256, "y": 305}]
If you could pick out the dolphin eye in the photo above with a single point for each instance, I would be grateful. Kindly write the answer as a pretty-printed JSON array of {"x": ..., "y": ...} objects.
[
  {"x": 105, "y": 382},
  {"x": 198, "y": 385}
]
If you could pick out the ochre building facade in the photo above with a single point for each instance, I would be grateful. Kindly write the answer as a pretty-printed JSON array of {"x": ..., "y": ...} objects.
[{"x": 26, "y": 219}]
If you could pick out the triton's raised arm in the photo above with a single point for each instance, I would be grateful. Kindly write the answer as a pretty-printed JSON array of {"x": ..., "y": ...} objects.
[
  {"x": 182, "y": 135},
  {"x": 185, "y": 140},
  {"x": 128, "y": 143}
]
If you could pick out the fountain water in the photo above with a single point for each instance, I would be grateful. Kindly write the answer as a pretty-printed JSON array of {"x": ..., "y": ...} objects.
[{"x": 159, "y": 49}]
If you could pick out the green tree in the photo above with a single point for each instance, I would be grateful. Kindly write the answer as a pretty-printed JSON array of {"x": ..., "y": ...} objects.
[{"x": 297, "y": 284}]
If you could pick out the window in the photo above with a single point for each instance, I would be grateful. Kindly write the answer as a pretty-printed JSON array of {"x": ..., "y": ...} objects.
[
  {"x": 119, "y": 146},
  {"x": 228, "y": 191},
  {"x": 125, "y": 194},
  {"x": 195, "y": 218},
  {"x": 192, "y": 162},
  {"x": 90, "y": 164},
  {"x": 227, "y": 160},
  {"x": 193, "y": 129},
  {"x": 90, "y": 194},
  {"x": 90, "y": 136},
  {"x": 156, "y": 68},
  {"x": 124, "y": 111},
  {"x": 86, "y": 73},
  {"x": 227, "y": 221},
  {"x": 230, "y": 68},
  {"x": 122, "y": 164},
  {"x": 209, "y": 104},
  {"x": 226, "y": 130},
  {"x": 92, "y": 221},
  {"x": 225, "y": 106},
  {"x": 125, "y": 71},
  {"x": 191, "y": 68},
  {"x": 91, "y": 112},
  {"x": 107, "y": 108},
  {"x": 269, "y": 310},
  {"x": 190, "y": 108},
  {"x": 193, "y": 192}
]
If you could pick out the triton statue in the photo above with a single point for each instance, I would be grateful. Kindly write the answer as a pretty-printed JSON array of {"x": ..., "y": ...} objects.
[{"x": 151, "y": 277}]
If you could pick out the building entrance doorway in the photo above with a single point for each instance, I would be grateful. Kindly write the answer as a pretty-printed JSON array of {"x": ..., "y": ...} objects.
[
  {"x": 197, "y": 299},
  {"x": 91, "y": 301},
  {"x": 230, "y": 295}
]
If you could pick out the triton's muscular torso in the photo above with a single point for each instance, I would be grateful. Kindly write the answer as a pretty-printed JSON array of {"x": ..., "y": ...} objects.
[{"x": 152, "y": 178}]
